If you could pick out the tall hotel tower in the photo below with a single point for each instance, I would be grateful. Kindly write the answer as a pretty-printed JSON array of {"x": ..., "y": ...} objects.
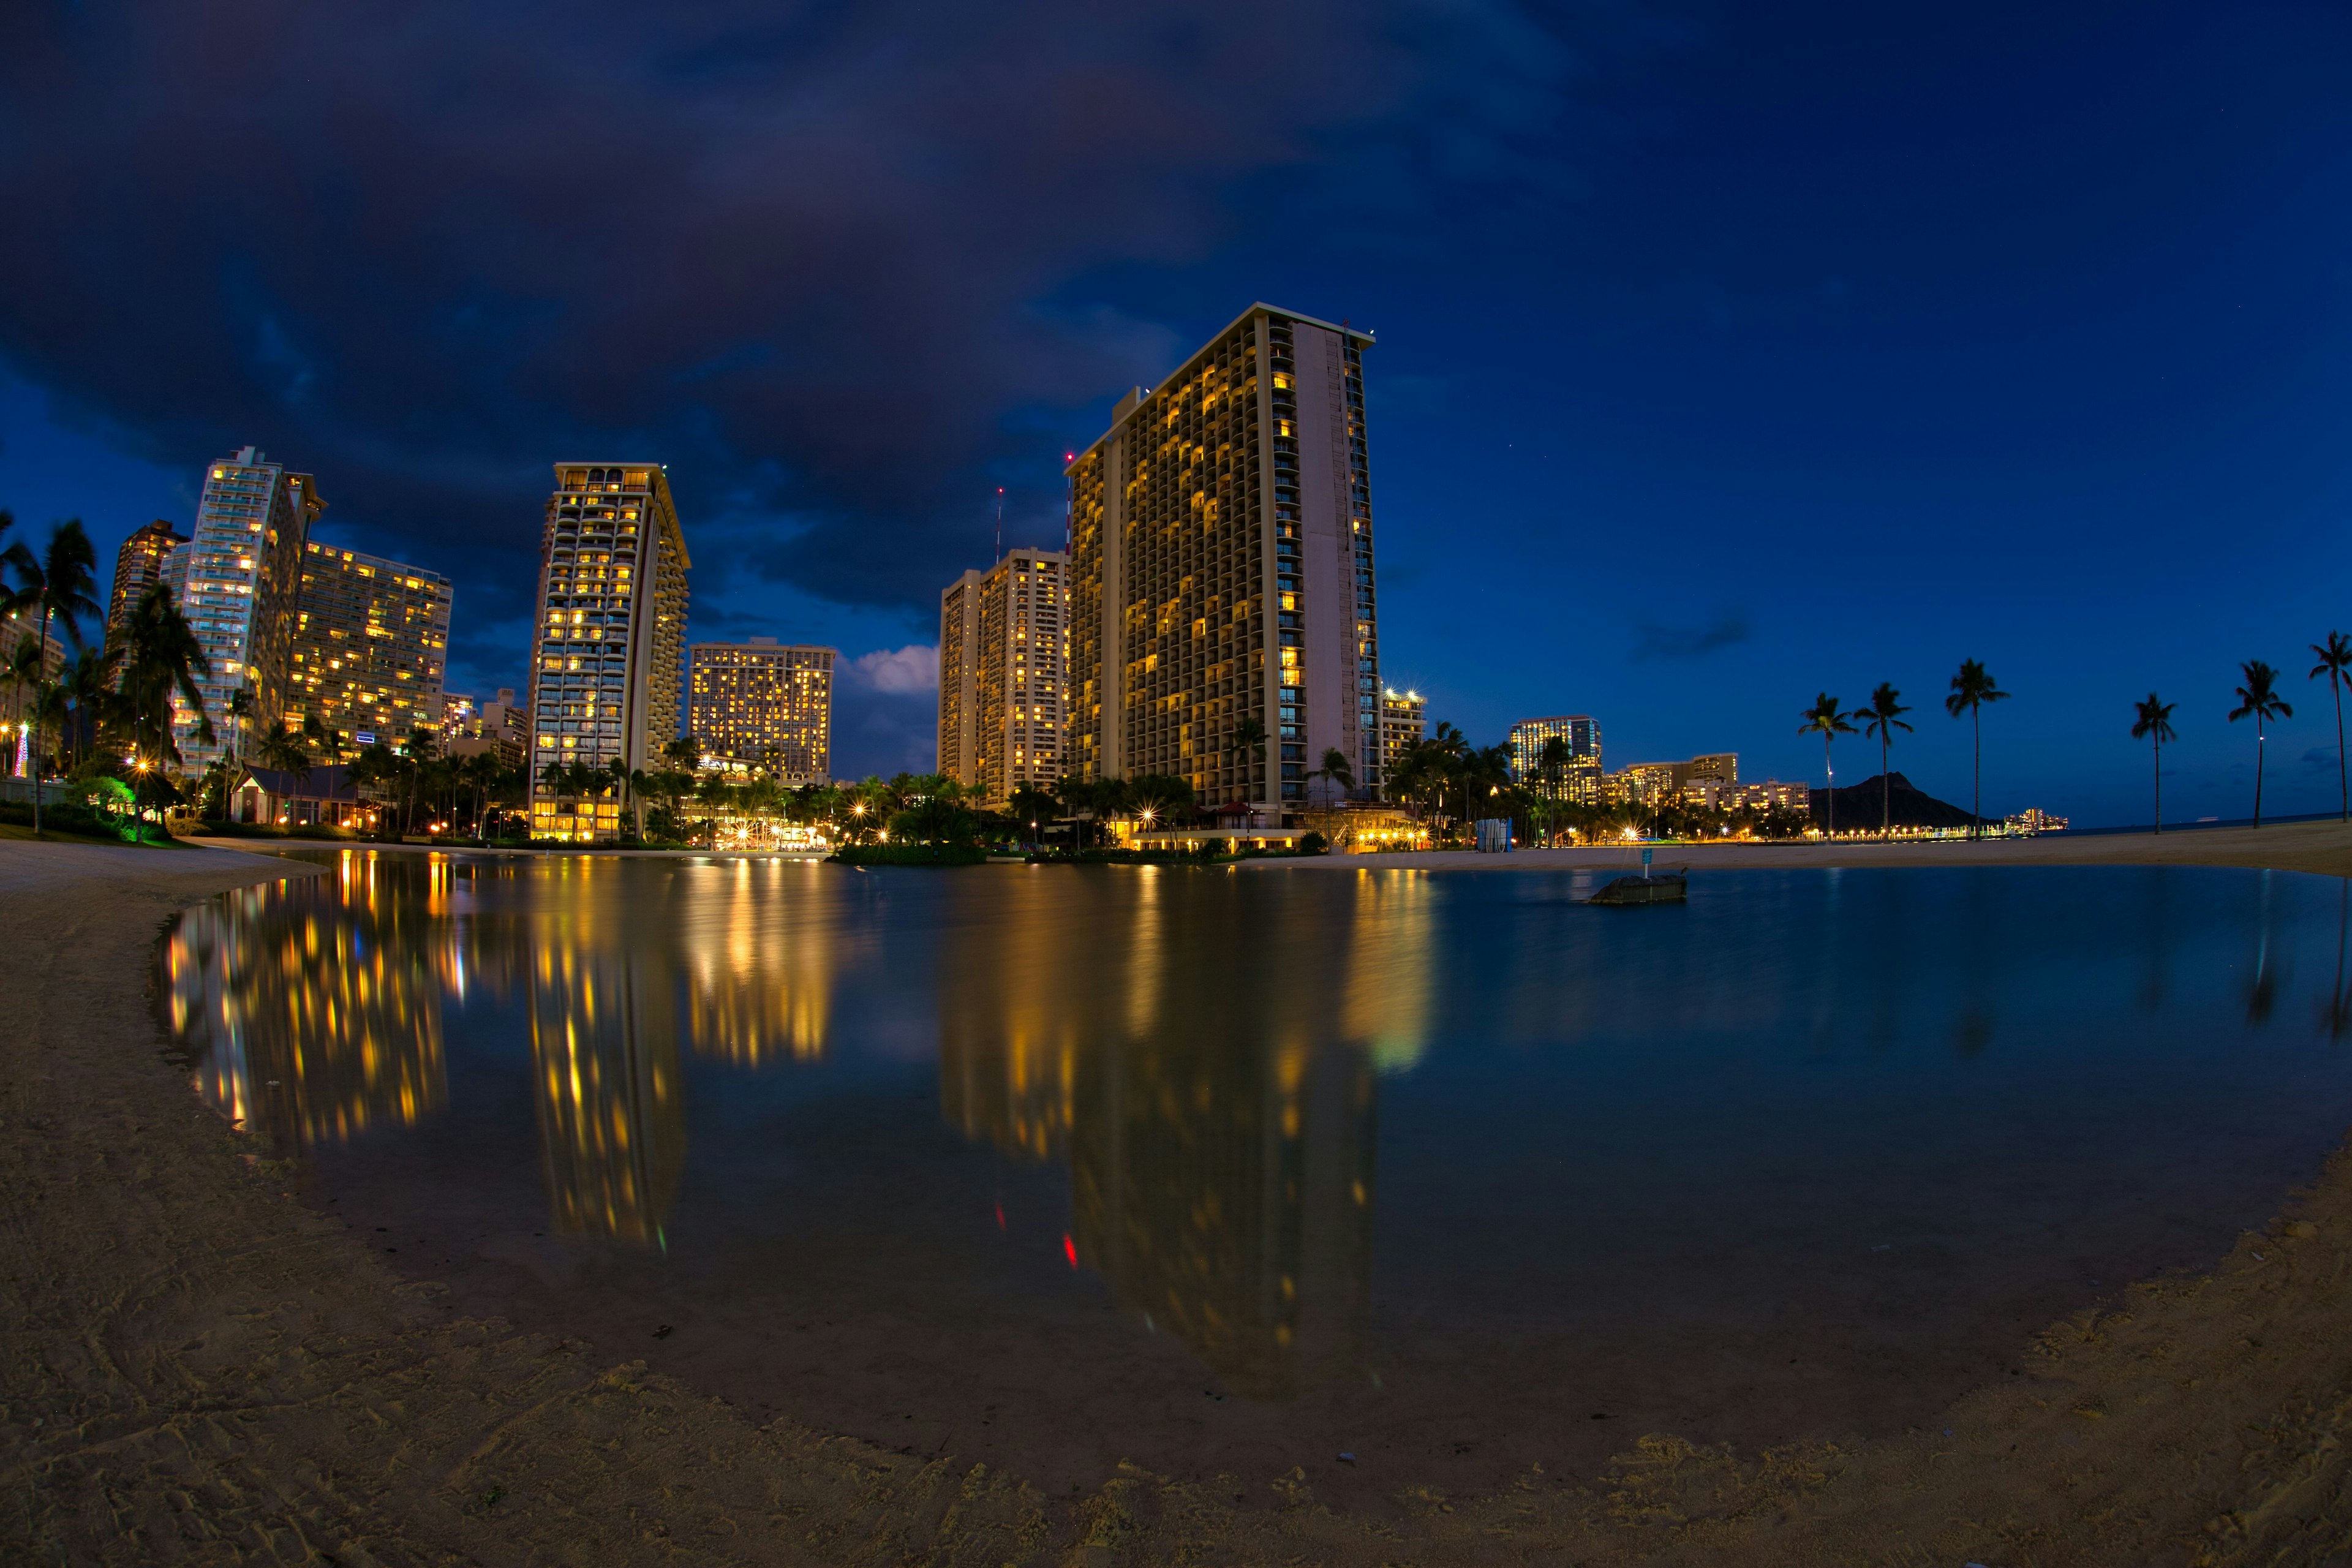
[
  {"x": 766, "y": 705},
  {"x": 244, "y": 575},
  {"x": 1004, "y": 640},
  {"x": 138, "y": 566},
  {"x": 609, "y": 654},
  {"x": 1221, "y": 570},
  {"x": 371, "y": 644}
]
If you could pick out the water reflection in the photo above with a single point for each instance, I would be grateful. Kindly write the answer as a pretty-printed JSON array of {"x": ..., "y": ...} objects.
[
  {"x": 320, "y": 1026},
  {"x": 1219, "y": 1151},
  {"x": 1199, "y": 1061}
]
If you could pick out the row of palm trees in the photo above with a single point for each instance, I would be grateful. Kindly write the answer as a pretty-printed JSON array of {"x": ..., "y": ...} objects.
[
  {"x": 2259, "y": 698},
  {"x": 1971, "y": 688},
  {"x": 105, "y": 702}
]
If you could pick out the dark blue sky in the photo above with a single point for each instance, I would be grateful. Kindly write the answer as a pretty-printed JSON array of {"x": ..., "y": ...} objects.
[{"x": 1727, "y": 353}]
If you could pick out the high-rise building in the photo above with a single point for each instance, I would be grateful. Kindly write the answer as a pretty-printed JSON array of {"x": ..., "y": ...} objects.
[
  {"x": 766, "y": 705},
  {"x": 1003, "y": 646},
  {"x": 138, "y": 566},
  {"x": 608, "y": 657},
  {"x": 499, "y": 727},
  {"x": 1404, "y": 722},
  {"x": 960, "y": 679},
  {"x": 1582, "y": 732},
  {"x": 371, "y": 645},
  {"x": 243, "y": 577},
  {"x": 1222, "y": 570}
]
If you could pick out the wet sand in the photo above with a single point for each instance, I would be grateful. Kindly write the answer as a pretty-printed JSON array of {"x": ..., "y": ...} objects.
[{"x": 218, "y": 1374}]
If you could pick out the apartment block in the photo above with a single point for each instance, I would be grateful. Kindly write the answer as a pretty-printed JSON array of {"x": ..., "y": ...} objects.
[
  {"x": 499, "y": 727},
  {"x": 139, "y": 565},
  {"x": 371, "y": 645},
  {"x": 239, "y": 586},
  {"x": 1003, "y": 649},
  {"x": 608, "y": 657},
  {"x": 1221, "y": 570},
  {"x": 765, "y": 705}
]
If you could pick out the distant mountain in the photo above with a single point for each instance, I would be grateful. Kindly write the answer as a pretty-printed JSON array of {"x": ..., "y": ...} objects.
[{"x": 1858, "y": 805}]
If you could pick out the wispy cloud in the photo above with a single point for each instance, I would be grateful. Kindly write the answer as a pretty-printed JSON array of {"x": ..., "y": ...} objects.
[{"x": 1657, "y": 639}]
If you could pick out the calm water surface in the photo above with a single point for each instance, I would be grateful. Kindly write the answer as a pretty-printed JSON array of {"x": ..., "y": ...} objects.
[{"x": 1226, "y": 1173}]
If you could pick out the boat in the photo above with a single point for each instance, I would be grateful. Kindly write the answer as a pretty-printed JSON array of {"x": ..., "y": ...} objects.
[{"x": 1665, "y": 887}]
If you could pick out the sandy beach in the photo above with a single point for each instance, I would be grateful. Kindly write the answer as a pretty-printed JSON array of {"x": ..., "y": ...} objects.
[{"x": 204, "y": 1370}]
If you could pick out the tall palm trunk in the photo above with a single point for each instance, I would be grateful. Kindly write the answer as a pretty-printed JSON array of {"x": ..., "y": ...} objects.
[
  {"x": 2160, "y": 787},
  {"x": 1886, "y": 796},
  {"x": 2343, "y": 776},
  {"x": 1829, "y": 795},
  {"x": 35, "y": 768},
  {"x": 2260, "y": 741},
  {"x": 1975, "y": 812}
]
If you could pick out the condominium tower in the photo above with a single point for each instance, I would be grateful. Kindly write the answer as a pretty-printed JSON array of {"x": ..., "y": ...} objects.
[
  {"x": 1222, "y": 570},
  {"x": 371, "y": 644},
  {"x": 138, "y": 566},
  {"x": 764, "y": 704},
  {"x": 1003, "y": 646},
  {"x": 243, "y": 576},
  {"x": 1582, "y": 734},
  {"x": 609, "y": 651}
]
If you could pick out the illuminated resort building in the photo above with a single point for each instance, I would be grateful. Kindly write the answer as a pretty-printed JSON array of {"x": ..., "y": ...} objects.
[
  {"x": 766, "y": 705},
  {"x": 1404, "y": 722},
  {"x": 370, "y": 644},
  {"x": 138, "y": 566},
  {"x": 609, "y": 653},
  {"x": 1222, "y": 570},
  {"x": 1003, "y": 642},
  {"x": 243, "y": 579},
  {"x": 1581, "y": 779}
]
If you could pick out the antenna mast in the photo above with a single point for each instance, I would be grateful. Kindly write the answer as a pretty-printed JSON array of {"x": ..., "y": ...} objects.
[{"x": 999, "y": 523}]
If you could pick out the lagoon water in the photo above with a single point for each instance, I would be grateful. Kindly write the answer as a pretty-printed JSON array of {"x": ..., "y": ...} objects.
[{"x": 1228, "y": 1173}]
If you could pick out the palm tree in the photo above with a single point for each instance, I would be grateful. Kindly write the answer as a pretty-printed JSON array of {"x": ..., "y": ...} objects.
[
  {"x": 1972, "y": 688},
  {"x": 1824, "y": 719},
  {"x": 2335, "y": 663},
  {"x": 61, "y": 583},
  {"x": 1882, "y": 718},
  {"x": 282, "y": 749},
  {"x": 2154, "y": 722},
  {"x": 317, "y": 732},
  {"x": 1552, "y": 759},
  {"x": 2258, "y": 699},
  {"x": 1246, "y": 740},
  {"x": 159, "y": 654},
  {"x": 1335, "y": 770}
]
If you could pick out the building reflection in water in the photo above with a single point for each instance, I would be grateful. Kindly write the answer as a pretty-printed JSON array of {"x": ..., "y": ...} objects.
[
  {"x": 759, "y": 969},
  {"x": 606, "y": 1078},
  {"x": 1220, "y": 1145},
  {"x": 316, "y": 1019}
]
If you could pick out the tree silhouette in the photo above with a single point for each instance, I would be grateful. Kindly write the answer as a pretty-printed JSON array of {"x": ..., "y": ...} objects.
[
  {"x": 1825, "y": 719},
  {"x": 2258, "y": 699},
  {"x": 1972, "y": 688},
  {"x": 2155, "y": 723},
  {"x": 2335, "y": 663},
  {"x": 1882, "y": 718}
]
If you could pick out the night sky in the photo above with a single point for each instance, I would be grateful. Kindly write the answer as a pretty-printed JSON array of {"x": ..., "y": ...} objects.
[{"x": 1727, "y": 353}]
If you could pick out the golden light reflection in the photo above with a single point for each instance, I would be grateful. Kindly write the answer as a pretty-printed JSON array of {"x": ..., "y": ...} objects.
[
  {"x": 1220, "y": 1161},
  {"x": 318, "y": 1027}
]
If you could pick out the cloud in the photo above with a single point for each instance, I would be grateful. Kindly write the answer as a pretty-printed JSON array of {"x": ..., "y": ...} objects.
[
  {"x": 2319, "y": 757},
  {"x": 913, "y": 669},
  {"x": 1655, "y": 639},
  {"x": 886, "y": 712},
  {"x": 826, "y": 261}
]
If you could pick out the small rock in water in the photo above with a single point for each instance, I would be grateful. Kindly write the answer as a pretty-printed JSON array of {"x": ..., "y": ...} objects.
[
  {"x": 662, "y": 1333},
  {"x": 1347, "y": 1458}
]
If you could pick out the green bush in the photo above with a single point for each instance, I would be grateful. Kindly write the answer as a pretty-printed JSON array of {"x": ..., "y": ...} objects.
[{"x": 1313, "y": 844}]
